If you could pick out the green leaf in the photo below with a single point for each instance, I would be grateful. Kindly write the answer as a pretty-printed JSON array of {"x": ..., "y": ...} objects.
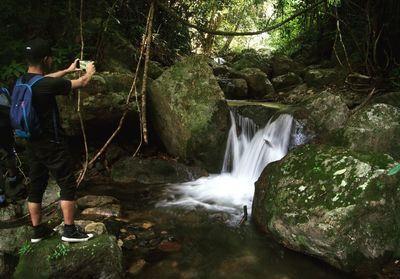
[{"x": 394, "y": 170}]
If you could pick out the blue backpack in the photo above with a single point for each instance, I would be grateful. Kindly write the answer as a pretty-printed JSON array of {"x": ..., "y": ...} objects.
[{"x": 22, "y": 114}]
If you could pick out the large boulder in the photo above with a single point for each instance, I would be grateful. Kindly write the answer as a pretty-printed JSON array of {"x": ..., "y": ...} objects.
[
  {"x": 334, "y": 204},
  {"x": 190, "y": 113},
  {"x": 375, "y": 128},
  {"x": 259, "y": 85},
  {"x": 98, "y": 258}
]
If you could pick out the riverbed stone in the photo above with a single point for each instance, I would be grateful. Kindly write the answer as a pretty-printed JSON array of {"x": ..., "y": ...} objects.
[
  {"x": 95, "y": 201},
  {"x": 105, "y": 211},
  {"x": 98, "y": 258},
  {"x": 189, "y": 112},
  {"x": 332, "y": 203},
  {"x": 375, "y": 128}
]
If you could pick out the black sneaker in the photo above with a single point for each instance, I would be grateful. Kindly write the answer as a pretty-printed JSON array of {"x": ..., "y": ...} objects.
[
  {"x": 41, "y": 232},
  {"x": 75, "y": 234}
]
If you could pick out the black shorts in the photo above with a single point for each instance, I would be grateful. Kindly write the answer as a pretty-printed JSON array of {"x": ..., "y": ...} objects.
[{"x": 46, "y": 157}]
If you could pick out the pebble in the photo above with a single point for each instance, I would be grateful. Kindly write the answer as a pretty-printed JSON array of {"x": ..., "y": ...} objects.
[{"x": 137, "y": 267}]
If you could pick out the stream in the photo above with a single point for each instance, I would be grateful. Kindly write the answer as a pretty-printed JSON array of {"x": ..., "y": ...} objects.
[{"x": 201, "y": 219}]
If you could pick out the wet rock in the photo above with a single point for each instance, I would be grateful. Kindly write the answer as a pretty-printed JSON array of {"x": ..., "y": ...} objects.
[
  {"x": 110, "y": 210},
  {"x": 137, "y": 267},
  {"x": 12, "y": 239},
  {"x": 285, "y": 81},
  {"x": 258, "y": 83},
  {"x": 259, "y": 114},
  {"x": 186, "y": 100},
  {"x": 375, "y": 128},
  {"x": 98, "y": 258},
  {"x": 335, "y": 204},
  {"x": 234, "y": 89},
  {"x": 95, "y": 201},
  {"x": 153, "y": 171},
  {"x": 96, "y": 228}
]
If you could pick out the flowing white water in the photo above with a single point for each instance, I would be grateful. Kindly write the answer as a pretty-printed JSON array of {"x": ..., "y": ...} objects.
[{"x": 247, "y": 153}]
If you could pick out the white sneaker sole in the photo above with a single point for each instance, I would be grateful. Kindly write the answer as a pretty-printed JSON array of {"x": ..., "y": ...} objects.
[
  {"x": 67, "y": 239},
  {"x": 36, "y": 240}
]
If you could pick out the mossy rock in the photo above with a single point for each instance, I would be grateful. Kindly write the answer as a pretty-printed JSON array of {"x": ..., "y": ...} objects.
[
  {"x": 332, "y": 203},
  {"x": 97, "y": 258},
  {"x": 189, "y": 112}
]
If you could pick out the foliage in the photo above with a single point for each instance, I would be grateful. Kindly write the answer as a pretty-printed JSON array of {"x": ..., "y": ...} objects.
[
  {"x": 9, "y": 73},
  {"x": 61, "y": 250},
  {"x": 25, "y": 249}
]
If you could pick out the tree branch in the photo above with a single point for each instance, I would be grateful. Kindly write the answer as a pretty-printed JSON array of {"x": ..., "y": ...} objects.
[{"x": 225, "y": 33}]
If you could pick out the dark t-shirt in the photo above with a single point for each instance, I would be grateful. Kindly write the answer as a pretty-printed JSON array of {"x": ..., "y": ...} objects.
[{"x": 44, "y": 102}]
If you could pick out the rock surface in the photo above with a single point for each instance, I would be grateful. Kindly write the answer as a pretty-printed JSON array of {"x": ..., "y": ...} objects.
[
  {"x": 189, "y": 112},
  {"x": 259, "y": 85},
  {"x": 331, "y": 203},
  {"x": 375, "y": 128}
]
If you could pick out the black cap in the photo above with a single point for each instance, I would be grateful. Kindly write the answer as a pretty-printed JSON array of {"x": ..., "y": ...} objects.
[{"x": 37, "y": 49}]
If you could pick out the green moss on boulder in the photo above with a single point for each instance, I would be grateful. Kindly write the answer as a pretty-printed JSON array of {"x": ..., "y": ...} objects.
[
  {"x": 189, "y": 112},
  {"x": 98, "y": 258},
  {"x": 335, "y": 204}
]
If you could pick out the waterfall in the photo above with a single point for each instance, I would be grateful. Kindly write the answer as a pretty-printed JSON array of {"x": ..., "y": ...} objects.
[{"x": 248, "y": 151}]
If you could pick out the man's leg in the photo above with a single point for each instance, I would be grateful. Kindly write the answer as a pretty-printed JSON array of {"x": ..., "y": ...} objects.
[
  {"x": 35, "y": 212},
  {"x": 68, "y": 210}
]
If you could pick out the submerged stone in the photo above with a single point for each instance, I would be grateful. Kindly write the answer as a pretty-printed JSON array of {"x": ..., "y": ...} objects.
[{"x": 334, "y": 204}]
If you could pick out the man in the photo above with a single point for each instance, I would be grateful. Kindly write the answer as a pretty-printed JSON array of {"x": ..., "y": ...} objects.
[{"x": 48, "y": 153}]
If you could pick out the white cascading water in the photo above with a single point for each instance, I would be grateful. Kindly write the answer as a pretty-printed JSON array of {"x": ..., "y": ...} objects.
[{"x": 247, "y": 153}]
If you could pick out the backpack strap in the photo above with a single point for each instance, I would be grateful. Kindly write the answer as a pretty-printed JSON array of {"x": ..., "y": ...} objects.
[
  {"x": 30, "y": 83},
  {"x": 35, "y": 79}
]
